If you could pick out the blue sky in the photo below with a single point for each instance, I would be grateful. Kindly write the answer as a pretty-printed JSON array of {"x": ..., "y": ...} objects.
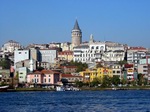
[{"x": 45, "y": 21}]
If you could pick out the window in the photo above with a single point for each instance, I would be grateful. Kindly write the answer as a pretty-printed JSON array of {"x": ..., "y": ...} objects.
[
  {"x": 118, "y": 71},
  {"x": 19, "y": 52},
  {"x": 45, "y": 80},
  {"x": 113, "y": 71},
  {"x": 97, "y": 47},
  {"x": 49, "y": 80},
  {"x": 102, "y": 48},
  {"x": 37, "y": 80}
]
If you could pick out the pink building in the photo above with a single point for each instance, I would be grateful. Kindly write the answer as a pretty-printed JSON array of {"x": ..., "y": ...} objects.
[{"x": 44, "y": 77}]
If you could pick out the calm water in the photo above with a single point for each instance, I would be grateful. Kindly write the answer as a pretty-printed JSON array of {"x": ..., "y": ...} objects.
[{"x": 79, "y": 101}]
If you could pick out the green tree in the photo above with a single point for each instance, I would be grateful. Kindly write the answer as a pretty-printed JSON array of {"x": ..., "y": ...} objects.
[
  {"x": 5, "y": 63},
  {"x": 140, "y": 79},
  {"x": 78, "y": 83},
  {"x": 95, "y": 82},
  {"x": 121, "y": 63},
  {"x": 115, "y": 80},
  {"x": 106, "y": 81},
  {"x": 123, "y": 81}
]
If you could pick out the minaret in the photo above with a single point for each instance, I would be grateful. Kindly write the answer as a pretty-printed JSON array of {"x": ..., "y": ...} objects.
[
  {"x": 91, "y": 39},
  {"x": 31, "y": 65},
  {"x": 76, "y": 35}
]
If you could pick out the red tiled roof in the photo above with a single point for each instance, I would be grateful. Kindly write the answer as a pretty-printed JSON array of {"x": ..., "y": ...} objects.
[
  {"x": 45, "y": 72},
  {"x": 137, "y": 48},
  {"x": 65, "y": 53},
  {"x": 128, "y": 65}
]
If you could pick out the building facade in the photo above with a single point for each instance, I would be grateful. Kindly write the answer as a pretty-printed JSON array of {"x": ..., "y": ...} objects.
[
  {"x": 44, "y": 77},
  {"x": 89, "y": 75},
  {"x": 65, "y": 55},
  {"x": 47, "y": 55}
]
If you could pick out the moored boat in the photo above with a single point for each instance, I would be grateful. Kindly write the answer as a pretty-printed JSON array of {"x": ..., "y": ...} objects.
[
  {"x": 3, "y": 88},
  {"x": 60, "y": 88}
]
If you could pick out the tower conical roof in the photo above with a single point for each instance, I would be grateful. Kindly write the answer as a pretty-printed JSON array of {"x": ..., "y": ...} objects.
[{"x": 76, "y": 26}]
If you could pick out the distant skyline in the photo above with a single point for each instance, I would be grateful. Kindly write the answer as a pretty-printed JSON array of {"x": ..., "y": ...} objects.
[{"x": 46, "y": 21}]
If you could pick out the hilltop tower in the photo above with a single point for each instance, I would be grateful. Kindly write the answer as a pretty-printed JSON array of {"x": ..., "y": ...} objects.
[{"x": 76, "y": 35}]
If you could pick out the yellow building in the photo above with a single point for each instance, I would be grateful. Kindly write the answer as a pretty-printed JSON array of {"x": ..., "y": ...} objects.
[
  {"x": 90, "y": 74},
  {"x": 65, "y": 55}
]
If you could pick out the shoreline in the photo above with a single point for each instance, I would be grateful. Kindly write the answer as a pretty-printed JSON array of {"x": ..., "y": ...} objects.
[{"x": 81, "y": 89}]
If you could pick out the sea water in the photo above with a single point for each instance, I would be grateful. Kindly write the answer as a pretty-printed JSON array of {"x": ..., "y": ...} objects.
[{"x": 76, "y": 101}]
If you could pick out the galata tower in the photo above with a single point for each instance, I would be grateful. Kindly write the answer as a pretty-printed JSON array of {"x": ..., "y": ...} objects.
[{"x": 76, "y": 35}]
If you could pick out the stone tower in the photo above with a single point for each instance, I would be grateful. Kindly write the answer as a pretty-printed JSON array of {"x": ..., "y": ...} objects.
[{"x": 76, "y": 35}]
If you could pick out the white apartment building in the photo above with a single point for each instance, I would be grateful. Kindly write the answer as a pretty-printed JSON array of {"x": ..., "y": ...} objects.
[
  {"x": 10, "y": 46},
  {"x": 46, "y": 55},
  {"x": 133, "y": 57},
  {"x": 117, "y": 55},
  {"x": 117, "y": 70},
  {"x": 134, "y": 54},
  {"x": 98, "y": 51},
  {"x": 81, "y": 53},
  {"x": 20, "y": 55}
]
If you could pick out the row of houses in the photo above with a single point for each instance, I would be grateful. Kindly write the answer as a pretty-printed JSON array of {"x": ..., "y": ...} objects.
[{"x": 28, "y": 60}]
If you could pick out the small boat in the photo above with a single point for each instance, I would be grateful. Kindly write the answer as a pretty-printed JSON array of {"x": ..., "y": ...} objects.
[
  {"x": 60, "y": 88},
  {"x": 114, "y": 88},
  {"x": 3, "y": 88}
]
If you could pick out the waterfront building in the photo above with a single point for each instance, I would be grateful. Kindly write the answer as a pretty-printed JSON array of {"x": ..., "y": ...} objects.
[
  {"x": 22, "y": 74},
  {"x": 129, "y": 72},
  {"x": 117, "y": 70},
  {"x": 144, "y": 67},
  {"x": 76, "y": 35},
  {"x": 71, "y": 78},
  {"x": 43, "y": 78},
  {"x": 90, "y": 74},
  {"x": 4, "y": 76}
]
